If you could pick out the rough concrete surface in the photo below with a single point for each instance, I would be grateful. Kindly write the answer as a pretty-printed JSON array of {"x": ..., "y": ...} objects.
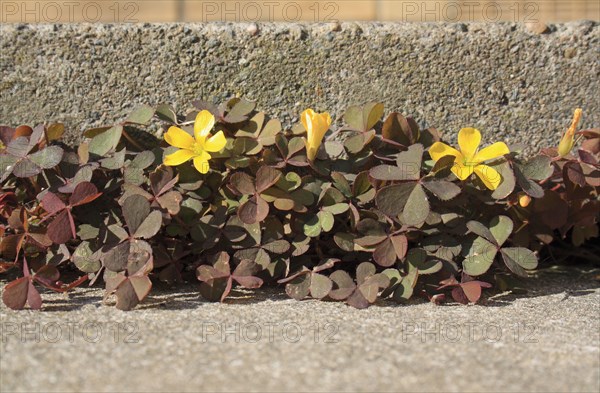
[
  {"x": 511, "y": 83},
  {"x": 545, "y": 341}
]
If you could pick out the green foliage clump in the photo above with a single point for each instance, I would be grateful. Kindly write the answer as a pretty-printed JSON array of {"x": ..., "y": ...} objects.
[{"x": 373, "y": 215}]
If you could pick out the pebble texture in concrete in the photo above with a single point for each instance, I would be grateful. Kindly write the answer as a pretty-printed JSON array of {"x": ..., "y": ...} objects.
[
  {"x": 510, "y": 82},
  {"x": 545, "y": 341}
]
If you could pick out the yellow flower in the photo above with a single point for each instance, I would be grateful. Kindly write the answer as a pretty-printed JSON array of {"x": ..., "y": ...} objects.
[
  {"x": 316, "y": 125},
  {"x": 196, "y": 147},
  {"x": 469, "y": 160},
  {"x": 568, "y": 140}
]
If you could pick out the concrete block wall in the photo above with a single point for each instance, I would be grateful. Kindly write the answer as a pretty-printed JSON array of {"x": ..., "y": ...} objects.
[{"x": 511, "y": 83}]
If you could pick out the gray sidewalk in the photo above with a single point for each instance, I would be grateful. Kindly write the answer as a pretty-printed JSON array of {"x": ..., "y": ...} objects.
[{"x": 547, "y": 340}]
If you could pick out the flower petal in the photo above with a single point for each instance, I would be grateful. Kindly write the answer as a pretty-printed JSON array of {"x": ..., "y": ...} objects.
[
  {"x": 440, "y": 149},
  {"x": 326, "y": 118},
  {"x": 489, "y": 176},
  {"x": 216, "y": 142},
  {"x": 179, "y": 157},
  {"x": 175, "y": 136},
  {"x": 462, "y": 171},
  {"x": 306, "y": 118},
  {"x": 495, "y": 150},
  {"x": 201, "y": 162},
  {"x": 205, "y": 121},
  {"x": 320, "y": 127},
  {"x": 468, "y": 141}
]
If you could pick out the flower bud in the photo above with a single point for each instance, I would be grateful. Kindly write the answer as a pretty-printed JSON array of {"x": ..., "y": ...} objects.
[
  {"x": 524, "y": 199},
  {"x": 568, "y": 140}
]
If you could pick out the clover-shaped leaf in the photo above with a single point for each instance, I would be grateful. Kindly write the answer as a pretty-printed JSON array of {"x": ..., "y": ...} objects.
[
  {"x": 529, "y": 175},
  {"x": 388, "y": 248},
  {"x": 256, "y": 134},
  {"x": 217, "y": 280},
  {"x": 369, "y": 284},
  {"x": 235, "y": 110},
  {"x": 23, "y": 235},
  {"x": 169, "y": 261},
  {"x": 465, "y": 292},
  {"x": 289, "y": 152},
  {"x": 360, "y": 121},
  {"x": 408, "y": 197},
  {"x": 19, "y": 160},
  {"x": 141, "y": 115},
  {"x": 489, "y": 242},
  {"x": 62, "y": 228},
  {"x": 132, "y": 284},
  {"x": 87, "y": 257},
  {"x": 22, "y": 291},
  {"x": 142, "y": 223},
  {"x": 105, "y": 141},
  {"x": 161, "y": 193},
  {"x": 255, "y": 209},
  {"x": 400, "y": 129},
  {"x": 419, "y": 259},
  {"x": 300, "y": 284}
]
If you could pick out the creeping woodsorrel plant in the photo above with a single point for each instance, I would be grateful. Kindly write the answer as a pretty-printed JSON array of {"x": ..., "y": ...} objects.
[{"x": 377, "y": 208}]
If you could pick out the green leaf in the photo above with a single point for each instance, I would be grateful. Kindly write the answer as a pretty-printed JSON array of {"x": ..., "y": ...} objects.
[
  {"x": 395, "y": 278},
  {"x": 116, "y": 161},
  {"x": 400, "y": 129},
  {"x": 345, "y": 241},
  {"x": 530, "y": 187},
  {"x": 312, "y": 227},
  {"x": 86, "y": 259},
  {"x": 289, "y": 182},
  {"x": 409, "y": 162},
  {"x": 343, "y": 285},
  {"x": 150, "y": 226},
  {"x": 417, "y": 258},
  {"x": 26, "y": 168},
  {"x": 141, "y": 115},
  {"x": 501, "y": 227},
  {"x": 106, "y": 141},
  {"x": 385, "y": 254},
  {"x": 417, "y": 207},
  {"x": 519, "y": 259},
  {"x": 266, "y": 177},
  {"x": 254, "y": 210},
  {"x": 337, "y": 208},
  {"x": 135, "y": 210},
  {"x": 326, "y": 220},
  {"x": 480, "y": 257},
  {"x": 442, "y": 189},
  {"x": 392, "y": 199},
  {"x": 243, "y": 183},
  {"x": 246, "y": 146},
  {"x": 508, "y": 180},
  {"x": 364, "y": 271},
  {"x": 538, "y": 168},
  {"x": 364, "y": 118},
  {"x": 404, "y": 290},
  {"x": 481, "y": 230},
  {"x": 166, "y": 113},
  {"x": 387, "y": 173},
  {"x": 299, "y": 287},
  {"x": 116, "y": 258},
  {"x": 47, "y": 158},
  {"x": 143, "y": 159},
  {"x": 7, "y": 163},
  {"x": 320, "y": 286}
]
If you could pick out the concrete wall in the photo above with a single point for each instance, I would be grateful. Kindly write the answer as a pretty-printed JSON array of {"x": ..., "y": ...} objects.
[{"x": 508, "y": 81}]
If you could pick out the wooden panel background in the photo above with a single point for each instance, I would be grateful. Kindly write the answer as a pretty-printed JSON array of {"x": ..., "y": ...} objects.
[{"x": 295, "y": 10}]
